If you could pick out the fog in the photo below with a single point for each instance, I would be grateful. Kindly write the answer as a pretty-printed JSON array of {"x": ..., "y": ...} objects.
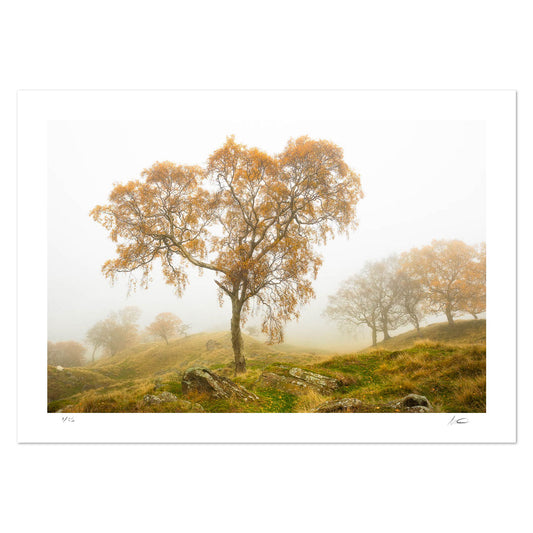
[{"x": 421, "y": 180}]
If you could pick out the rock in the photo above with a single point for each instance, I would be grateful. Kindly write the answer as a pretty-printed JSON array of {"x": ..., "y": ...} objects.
[
  {"x": 164, "y": 397},
  {"x": 417, "y": 409},
  {"x": 59, "y": 367},
  {"x": 277, "y": 380},
  {"x": 150, "y": 399},
  {"x": 412, "y": 402},
  {"x": 317, "y": 380},
  {"x": 344, "y": 405},
  {"x": 203, "y": 381},
  {"x": 212, "y": 345}
]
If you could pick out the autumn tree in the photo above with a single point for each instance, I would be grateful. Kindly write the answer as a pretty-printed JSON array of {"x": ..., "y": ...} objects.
[
  {"x": 250, "y": 218},
  {"x": 66, "y": 353},
  {"x": 166, "y": 326},
  {"x": 475, "y": 286},
  {"x": 118, "y": 331},
  {"x": 451, "y": 274},
  {"x": 355, "y": 305}
]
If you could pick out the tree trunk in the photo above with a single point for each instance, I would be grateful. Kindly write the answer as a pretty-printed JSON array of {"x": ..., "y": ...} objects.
[
  {"x": 386, "y": 335},
  {"x": 94, "y": 350},
  {"x": 374, "y": 337},
  {"x": 417, "y": 323},
  {"x": 236, "y": 337},
  {"x": 449, "y": 316}
]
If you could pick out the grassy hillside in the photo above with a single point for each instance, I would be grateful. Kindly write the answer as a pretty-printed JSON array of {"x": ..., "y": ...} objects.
[
  {"x": 463, "y": 332},
  {"x": 449, "y": 369},
  {"x": 202, "y": 349}
]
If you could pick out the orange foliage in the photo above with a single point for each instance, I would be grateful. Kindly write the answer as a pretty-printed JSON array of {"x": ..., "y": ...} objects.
[
  {"x": 165, "y": 326},
  {"x": 250, "y": 217},
  {"x": 452, "y": 274}
]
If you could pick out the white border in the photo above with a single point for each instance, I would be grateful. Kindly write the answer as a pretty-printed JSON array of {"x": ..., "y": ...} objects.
[{"x": 496, "y": 108}]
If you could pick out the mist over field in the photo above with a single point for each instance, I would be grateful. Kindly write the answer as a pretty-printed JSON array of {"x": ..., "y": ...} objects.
[{"x": 421, "y": 181}]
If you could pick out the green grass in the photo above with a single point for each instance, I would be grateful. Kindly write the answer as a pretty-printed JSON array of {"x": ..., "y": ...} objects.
[{"x": 449, "y": 370}]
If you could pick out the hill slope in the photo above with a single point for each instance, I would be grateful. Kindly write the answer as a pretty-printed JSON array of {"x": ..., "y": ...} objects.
[
  {"x": 202, "y": 349},
  {"x": 450, "y": 374},
  {"x": 463, "y": 332}
]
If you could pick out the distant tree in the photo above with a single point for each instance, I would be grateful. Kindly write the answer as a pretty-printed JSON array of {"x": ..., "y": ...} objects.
[
  {"x": 451, "y": 275},
  {"x": 166, "y": 326},
  {"x": 252, "y": 331},
  {"x": 117, "y": 331},
  {"x": 97, "y": 336},
  {"x": 383, "y": 283},
  {"x": 251, "y": 218},
  {"x": 475, "y": 285},
  {"x": 67, "y": 353},
  {"x": 410, "y": 298},
  {"x": 355, "y": 305}
]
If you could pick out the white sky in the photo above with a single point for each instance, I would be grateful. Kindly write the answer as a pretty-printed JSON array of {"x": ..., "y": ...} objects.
[{"x": 422, "y": 180}]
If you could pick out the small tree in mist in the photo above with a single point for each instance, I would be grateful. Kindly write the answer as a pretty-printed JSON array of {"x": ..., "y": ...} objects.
[
  {"x": 166, "y": 326},
  {"x": 251, "y": 218},
  {"x": 67, "y": 353},
  {"x": 355, "y": 305},
  {"x": 118, "y": 331},
  {"x": 382, "y": 280},
  {"x": 410, "y": 298},
  {"x": 96, "y": 337},
  {"x": 452, "y": 274}
]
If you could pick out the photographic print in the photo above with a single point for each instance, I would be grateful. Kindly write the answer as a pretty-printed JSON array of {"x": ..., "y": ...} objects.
[{"x": 309, "y": 262}]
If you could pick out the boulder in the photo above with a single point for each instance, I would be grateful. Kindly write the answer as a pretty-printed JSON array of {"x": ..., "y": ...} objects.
[
  {"x": 151, "y": 399},
  {"x": 324, "y": 383},
  {"x": 270, "y": 379},
  {"x": 164, "y": 397},
  {"x": 412, "y": 403},
  {"x": 417, "y": 409},
  {"x": 212, "y": 344},
  {"x": 344, "y": 405},
  {"x": 203, "y": 381}
]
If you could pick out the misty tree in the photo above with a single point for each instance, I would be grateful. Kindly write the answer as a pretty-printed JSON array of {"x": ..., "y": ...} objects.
[
  {"x": 452, "y": 274},
  {"x": 376, "y": 297},
  {"x": 250, "y": 218},
  {"x": 355, "y": 305},
  {"x": 96, "y": 336},
  {"x": 66, "y": 353},
  {"x": 166, "y": 326},
  {"x": 118, "y": 331},
  {"x": 382, "y": 280},
  {"x": 410, "y": 298},
  {"x": 475, "y": 288}
]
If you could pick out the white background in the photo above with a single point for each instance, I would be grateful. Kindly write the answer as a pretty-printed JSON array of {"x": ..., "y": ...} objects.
[
  {"x": 468, "y": 45},
  {"x": 496, "y": 110}
]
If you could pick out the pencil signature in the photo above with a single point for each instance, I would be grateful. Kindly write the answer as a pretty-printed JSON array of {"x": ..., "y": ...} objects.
[{"x": 461, "y": 420}]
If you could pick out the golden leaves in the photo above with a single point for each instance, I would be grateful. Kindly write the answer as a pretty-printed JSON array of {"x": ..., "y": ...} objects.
[{"x": 255, "y": 224}]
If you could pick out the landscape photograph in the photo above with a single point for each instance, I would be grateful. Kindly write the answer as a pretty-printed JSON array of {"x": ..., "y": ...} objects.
[{"x": 266, "y": 266}]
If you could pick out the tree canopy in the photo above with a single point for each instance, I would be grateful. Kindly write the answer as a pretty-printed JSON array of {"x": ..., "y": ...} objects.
[{"x": 251, "y": 218}]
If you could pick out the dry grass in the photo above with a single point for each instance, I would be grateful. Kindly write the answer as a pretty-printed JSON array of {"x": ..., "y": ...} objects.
[{"x": 309, "y": 400}]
